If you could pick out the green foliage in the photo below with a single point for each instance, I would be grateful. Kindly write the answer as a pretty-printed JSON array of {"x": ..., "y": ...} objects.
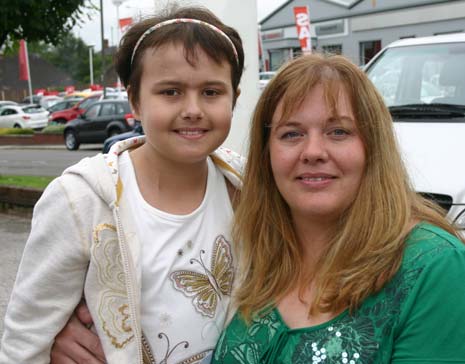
[
  {"x": 16, "y": 131},
  {"x": 25, "y": 181},
  {"x": 54, "y": 129},
  {"x": 43, "y": 20}
]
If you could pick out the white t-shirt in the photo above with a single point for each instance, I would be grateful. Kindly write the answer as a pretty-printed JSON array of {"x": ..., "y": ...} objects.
[{"x": 187, "y": 270}]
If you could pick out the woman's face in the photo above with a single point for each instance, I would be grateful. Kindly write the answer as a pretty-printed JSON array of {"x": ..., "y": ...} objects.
[{"x": 317, "y": 159}]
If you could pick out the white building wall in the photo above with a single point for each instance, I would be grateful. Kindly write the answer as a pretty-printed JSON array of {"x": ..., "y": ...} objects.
[{"x": 413, "y": 16}]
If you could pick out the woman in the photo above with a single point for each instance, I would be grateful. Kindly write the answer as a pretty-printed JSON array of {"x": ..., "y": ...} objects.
[{"x": 340, "y": 260}]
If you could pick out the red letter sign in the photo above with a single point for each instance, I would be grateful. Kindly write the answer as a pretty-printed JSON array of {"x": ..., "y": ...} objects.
[
  {"x": 124, "y": 24},
  {"x": 302, "y": 22}
]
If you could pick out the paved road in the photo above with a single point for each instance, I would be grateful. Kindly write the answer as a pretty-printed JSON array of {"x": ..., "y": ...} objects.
[
  {"x": 13, "y": 234},
  {"x": 14, "y": 230},
  {"x": 41, "y": 161}
]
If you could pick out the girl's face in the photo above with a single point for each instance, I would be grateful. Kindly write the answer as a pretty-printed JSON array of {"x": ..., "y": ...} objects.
[
  {"x": 185, "y": 109},
  {"x": 317, "y": 159}
]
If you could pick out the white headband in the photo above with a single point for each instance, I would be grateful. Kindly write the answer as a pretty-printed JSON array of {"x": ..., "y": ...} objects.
[{"x": 183, "y": 20}]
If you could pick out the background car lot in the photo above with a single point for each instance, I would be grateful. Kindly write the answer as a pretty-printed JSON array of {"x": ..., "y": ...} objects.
[
  {"x": 101, "y": 120},
  {"x": 48, "y": 101},
  {"x": 35, "y": 99},
  {"x": 6, "y": 103},
  {"x": 23, "y": 116},
  {"x": 137, "y": 131},
  {"x": 422, "y": 80},
  {"x": 63, "y": 116},
  {"x": 264, "y": 78},
  {"x": 63, "y": 105}
]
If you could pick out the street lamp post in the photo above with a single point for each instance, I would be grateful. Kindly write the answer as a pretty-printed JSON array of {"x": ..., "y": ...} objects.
[
  {"x": 117, "y": 3},
  {"x": 103, "y": 48},
  {"x": 91, "y": 64}
]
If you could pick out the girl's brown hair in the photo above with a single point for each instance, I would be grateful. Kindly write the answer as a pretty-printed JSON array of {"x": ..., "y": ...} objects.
[
  {"x": 190, "y": 35},
  {"x": 367, "y": 247}
]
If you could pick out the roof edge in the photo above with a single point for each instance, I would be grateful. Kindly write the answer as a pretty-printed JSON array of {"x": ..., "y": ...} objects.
[{"x": 274, "y": 12}]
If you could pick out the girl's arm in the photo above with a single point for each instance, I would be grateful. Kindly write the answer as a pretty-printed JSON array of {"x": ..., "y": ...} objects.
[{"x": 51, "y": 275}]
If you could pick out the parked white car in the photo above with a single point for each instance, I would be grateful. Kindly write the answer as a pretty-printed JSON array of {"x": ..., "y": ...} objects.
[
  {"x": 264, "y": 78},
  {"x": 7, "y": 103},
  {"x": 23, "y": 116},
  {"x": 422, "y": 81}
]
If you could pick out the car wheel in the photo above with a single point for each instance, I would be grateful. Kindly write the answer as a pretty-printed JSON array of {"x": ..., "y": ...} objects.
[
  {"x": 71, "y": 140},
  {"x": 114, "y": 132},
  {"x": 17, "y": 126},
  {"x": 60, "y": 121}
]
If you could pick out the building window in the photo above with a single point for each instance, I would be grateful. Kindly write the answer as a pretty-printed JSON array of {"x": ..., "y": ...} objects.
[
  {"x": 368, "y": 50},
  {"x": 332, "y": 49},
  {"x": 278, "y": 57}
]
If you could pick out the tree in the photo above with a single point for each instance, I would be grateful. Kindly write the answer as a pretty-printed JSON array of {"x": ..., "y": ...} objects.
[{"x": 39, "y": 20}]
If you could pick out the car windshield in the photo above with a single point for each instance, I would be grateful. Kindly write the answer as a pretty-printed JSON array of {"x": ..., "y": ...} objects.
[
  {"x": 87, "y": 102},
  {"x": 421, "y": 74},
  {"x": 58, "y": 106},
  {"x": 266, "y": 76}
]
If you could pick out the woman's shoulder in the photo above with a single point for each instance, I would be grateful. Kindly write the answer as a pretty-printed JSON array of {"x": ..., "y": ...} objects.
[
  {"x": 425, "y": 236},
  {"x": 427, "y": 244}
]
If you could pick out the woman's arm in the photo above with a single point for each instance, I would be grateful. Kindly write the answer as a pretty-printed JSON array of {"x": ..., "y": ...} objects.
[{"x": 76, "y": 343}]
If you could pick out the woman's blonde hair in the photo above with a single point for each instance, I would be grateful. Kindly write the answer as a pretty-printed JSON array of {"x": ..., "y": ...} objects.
[{"x": 367, "y": 247}]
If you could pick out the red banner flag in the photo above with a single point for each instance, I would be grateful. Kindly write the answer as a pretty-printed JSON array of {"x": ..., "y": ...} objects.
[
  {"x": 302, "y": 22},
  {"x": 23, "y": 64},
  {"x": 124, "y": 24}
]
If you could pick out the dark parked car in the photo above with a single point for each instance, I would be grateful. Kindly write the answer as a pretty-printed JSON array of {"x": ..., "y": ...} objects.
[
  {"x": 100, "y": 121},
  {"x": 137, "y": 131}
]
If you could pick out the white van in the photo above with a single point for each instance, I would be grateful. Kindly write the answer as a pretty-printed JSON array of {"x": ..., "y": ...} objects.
[{"x": 422, "y": 81}]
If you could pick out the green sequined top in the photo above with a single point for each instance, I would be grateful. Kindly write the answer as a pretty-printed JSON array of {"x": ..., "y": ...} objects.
[{"x": 418, "y": 317}]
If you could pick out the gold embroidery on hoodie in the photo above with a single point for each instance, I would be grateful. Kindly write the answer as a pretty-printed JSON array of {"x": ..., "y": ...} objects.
[{"x": 113, "y": 310}]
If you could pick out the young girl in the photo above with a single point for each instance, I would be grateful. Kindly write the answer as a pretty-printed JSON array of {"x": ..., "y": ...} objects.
[{"x": 144, "y": 230}]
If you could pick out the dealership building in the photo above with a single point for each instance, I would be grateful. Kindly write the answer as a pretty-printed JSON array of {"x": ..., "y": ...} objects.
[{"x": 358, "y": 29}]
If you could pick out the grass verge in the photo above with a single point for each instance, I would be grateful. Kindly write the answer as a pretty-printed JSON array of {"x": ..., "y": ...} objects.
[
  {"x": 25, "y": 181},
  {"x": 54, "y": 129},
  {"x": 16, "y": 131}
]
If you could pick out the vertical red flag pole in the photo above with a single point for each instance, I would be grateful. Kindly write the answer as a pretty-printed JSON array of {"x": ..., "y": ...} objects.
[{"x": 24, "y": 71}]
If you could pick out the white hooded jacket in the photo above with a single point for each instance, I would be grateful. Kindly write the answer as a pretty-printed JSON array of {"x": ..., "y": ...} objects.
[{"x": 83, "y": 239}]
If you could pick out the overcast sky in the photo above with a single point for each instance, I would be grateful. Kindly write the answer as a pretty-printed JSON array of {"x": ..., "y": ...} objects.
[{"x": 89, "y": 31}]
